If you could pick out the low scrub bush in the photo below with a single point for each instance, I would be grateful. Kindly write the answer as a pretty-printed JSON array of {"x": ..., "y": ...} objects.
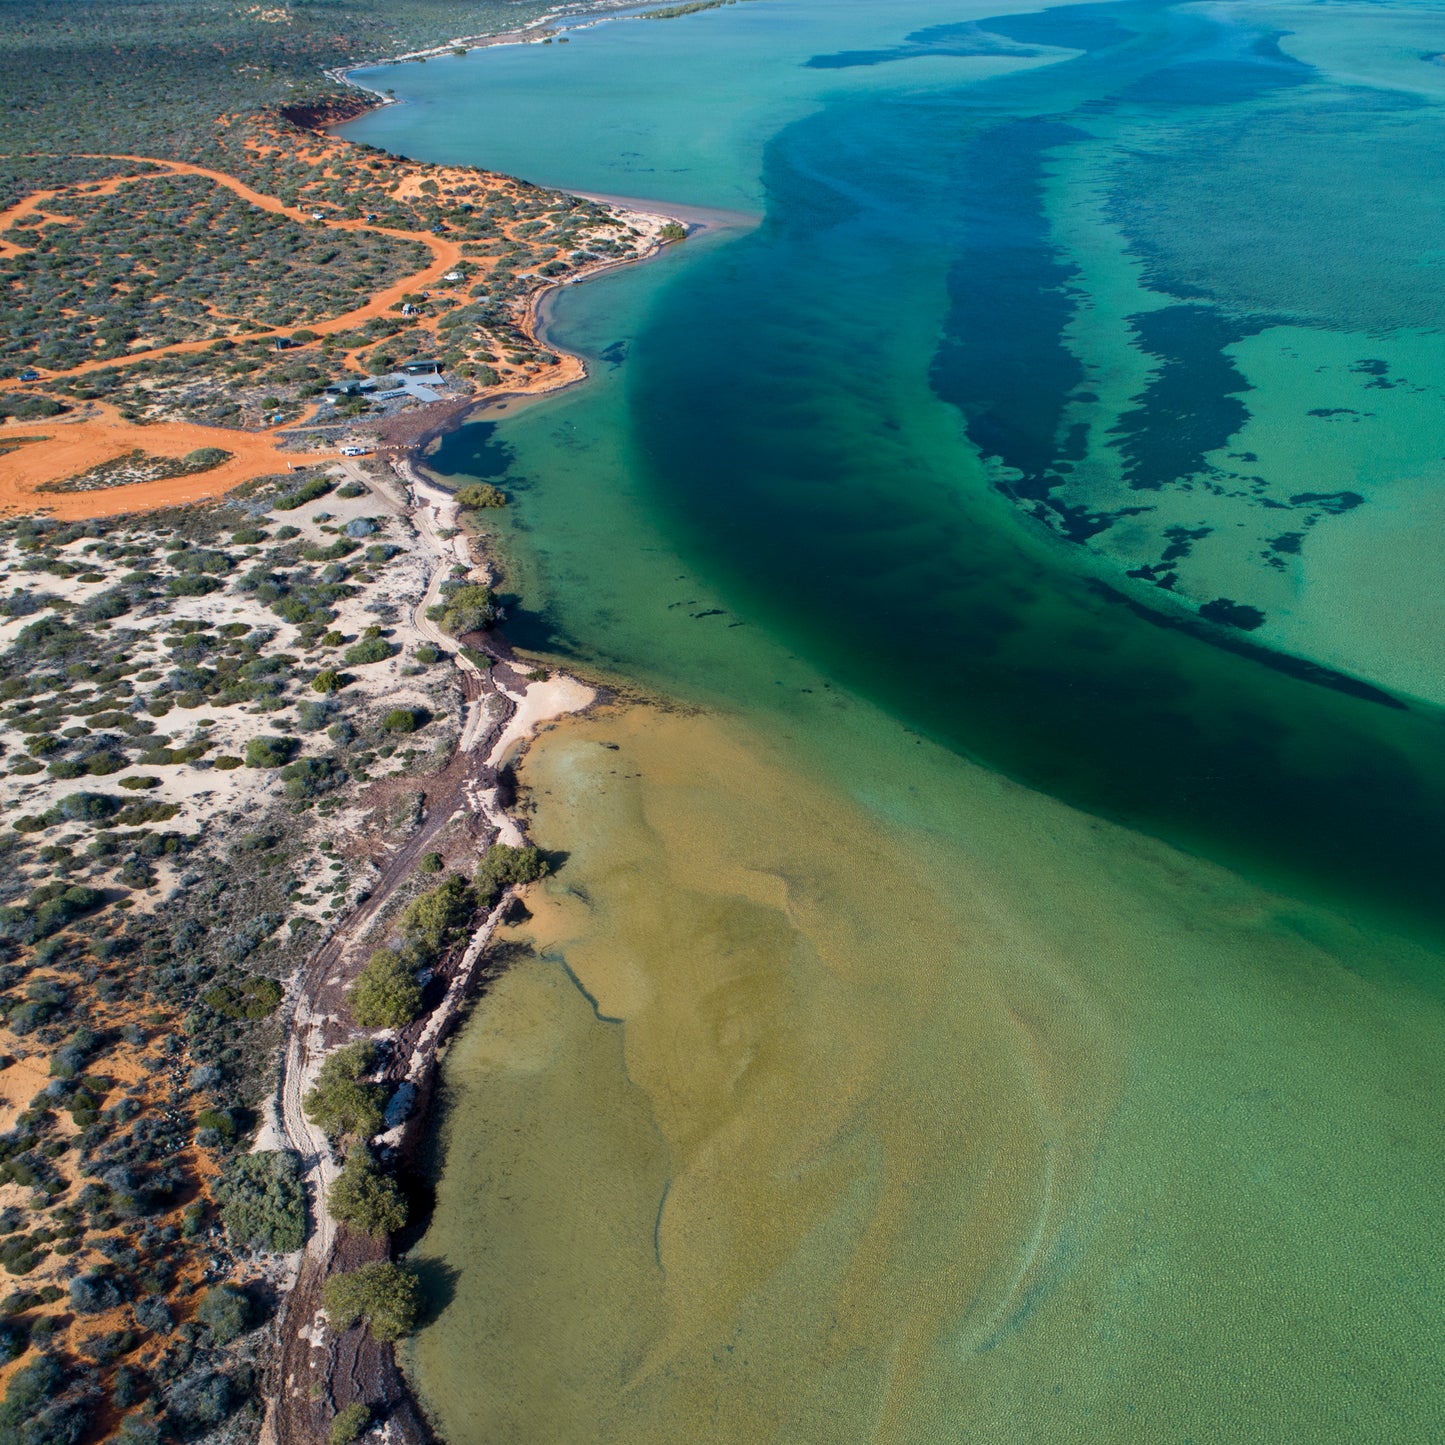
[
  {"x": 405, "y": 719},
  {"x": 505, "y": 866},
  {"x": 263, "y": 1202},
  {"x": 270, "y": 752},
  {"x": 255, "y": 998},
  {"x": 348, "y": 1423},
  {"x": 225, "y": 1311},
  {"x": 309, "y": 777},
  {"x": 365, "y": 1198},
  {"x": 371, "y": 649},
  {"x": 308, "y": 492},
  {"x": 385, "y": 1296},
  {"x": 341, "y": 1102},
  {"x": 480, "y": 495},
  {"x": 94, "y": 1293},
  {"x": 386, "y": 994},
  {"x": 430, "y": 921},
  {"x": 469, "y": 608}
]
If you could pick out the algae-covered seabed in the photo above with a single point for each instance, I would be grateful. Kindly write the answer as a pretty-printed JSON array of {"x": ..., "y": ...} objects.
[{"x": 845, "y": 1087}]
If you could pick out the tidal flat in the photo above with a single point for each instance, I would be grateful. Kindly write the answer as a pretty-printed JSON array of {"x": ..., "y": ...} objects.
[{"x": 790, "y": 1122}]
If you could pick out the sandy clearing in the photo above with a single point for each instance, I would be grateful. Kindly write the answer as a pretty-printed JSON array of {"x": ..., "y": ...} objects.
[{"x": 543, "y": 702}]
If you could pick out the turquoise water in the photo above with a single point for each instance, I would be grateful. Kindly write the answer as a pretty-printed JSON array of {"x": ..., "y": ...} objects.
[
  {"x": 975, "y": 262},
  {"x": 1072, "y": 409}
]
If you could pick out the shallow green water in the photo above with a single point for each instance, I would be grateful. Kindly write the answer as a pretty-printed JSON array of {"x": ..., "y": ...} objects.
[{"x": 1096, "y": 1131}]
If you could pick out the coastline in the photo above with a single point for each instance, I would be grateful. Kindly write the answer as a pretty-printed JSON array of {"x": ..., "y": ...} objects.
[
  {"x": 534, "y": 32},
  {"x": 502, "y": 722},
  {"x": 98, "y": 432},
  {"x": 506, "y": 708}
]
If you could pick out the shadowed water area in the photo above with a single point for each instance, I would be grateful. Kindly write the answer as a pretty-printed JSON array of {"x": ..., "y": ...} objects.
[{"x": 850, "y": 1083}]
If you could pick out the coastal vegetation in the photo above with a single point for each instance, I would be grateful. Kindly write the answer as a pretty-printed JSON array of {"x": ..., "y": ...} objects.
[
  {"x": 478, "y": 495},
  {"x": 366, "y": 1198},
  {"x": 348, "y": 1423},
  {"x": 263, "y": 1202},
  {"x": 386, "y": 994},
  {"x": 384, "y": 1295},
  {"x": 157, "y": 892},
  {"x": 342, "y": 1101},
  {"x": 693, "y": 7},
  {"x": 198, "y": 792},
  {"x": 505, "y": 867}
]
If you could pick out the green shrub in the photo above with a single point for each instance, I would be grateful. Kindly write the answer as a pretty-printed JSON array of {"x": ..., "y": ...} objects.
[
  {"x": 204, "y": 458},
  {"x": 30, "y": 1389},
  {"x": 405, "y": 719},
  {"x": 86, "y": 807},
  {"x": 312, "y": 716},
  {"x": 328, "y": 680},
  {"x": 47, "y": 910},
  {"x": 192, "y": 584},
  {"x": 307, "y": 492},
  {"x": 226, "y": 762},
  {"x": 219, "y": 1121},
  {"x": 340, "y": 1102},
  {"x": 263, "y": 1202},
  {"x": 430, "y": 921},
  {"x": 270, "y": 752},
  {"x": 505, "y": 866},
  {"x": 133, "y": 815},
  {"x": 365, "y": 1198},
  {"x": 386, "y": 994},
  {"x": 256, "y": 998},
  {"x": 347, "y": 1424},
  {"x": 370, "y": 649},
  {"x": 386, "y": 1296},
  {"x": 225, "y": 1311},
  {"x": 480, "y": 495},
  {"x": 139, "y": 781},
  {"x": 309, "y": 777},
  {"x": 470, "y": 608},
  {"x": 426, "y": 654}
]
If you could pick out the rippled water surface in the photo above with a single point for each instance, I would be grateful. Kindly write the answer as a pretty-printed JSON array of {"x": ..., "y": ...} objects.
[{"x": 1009, "y": 1009}]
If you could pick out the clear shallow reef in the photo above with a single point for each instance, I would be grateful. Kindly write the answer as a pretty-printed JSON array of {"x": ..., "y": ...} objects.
[{"x": 847, "y": 1089}]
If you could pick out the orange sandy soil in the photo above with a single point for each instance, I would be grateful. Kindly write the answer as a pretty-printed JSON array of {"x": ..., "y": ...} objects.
[
  {"x": 76, "y": 446},
  {"x": 19, "y": 1084}
]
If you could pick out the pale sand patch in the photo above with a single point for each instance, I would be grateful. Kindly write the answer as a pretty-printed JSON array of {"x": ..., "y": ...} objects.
[
  {"x": 542, "y": 702},
  {"x": 1378, "y": 577}
]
